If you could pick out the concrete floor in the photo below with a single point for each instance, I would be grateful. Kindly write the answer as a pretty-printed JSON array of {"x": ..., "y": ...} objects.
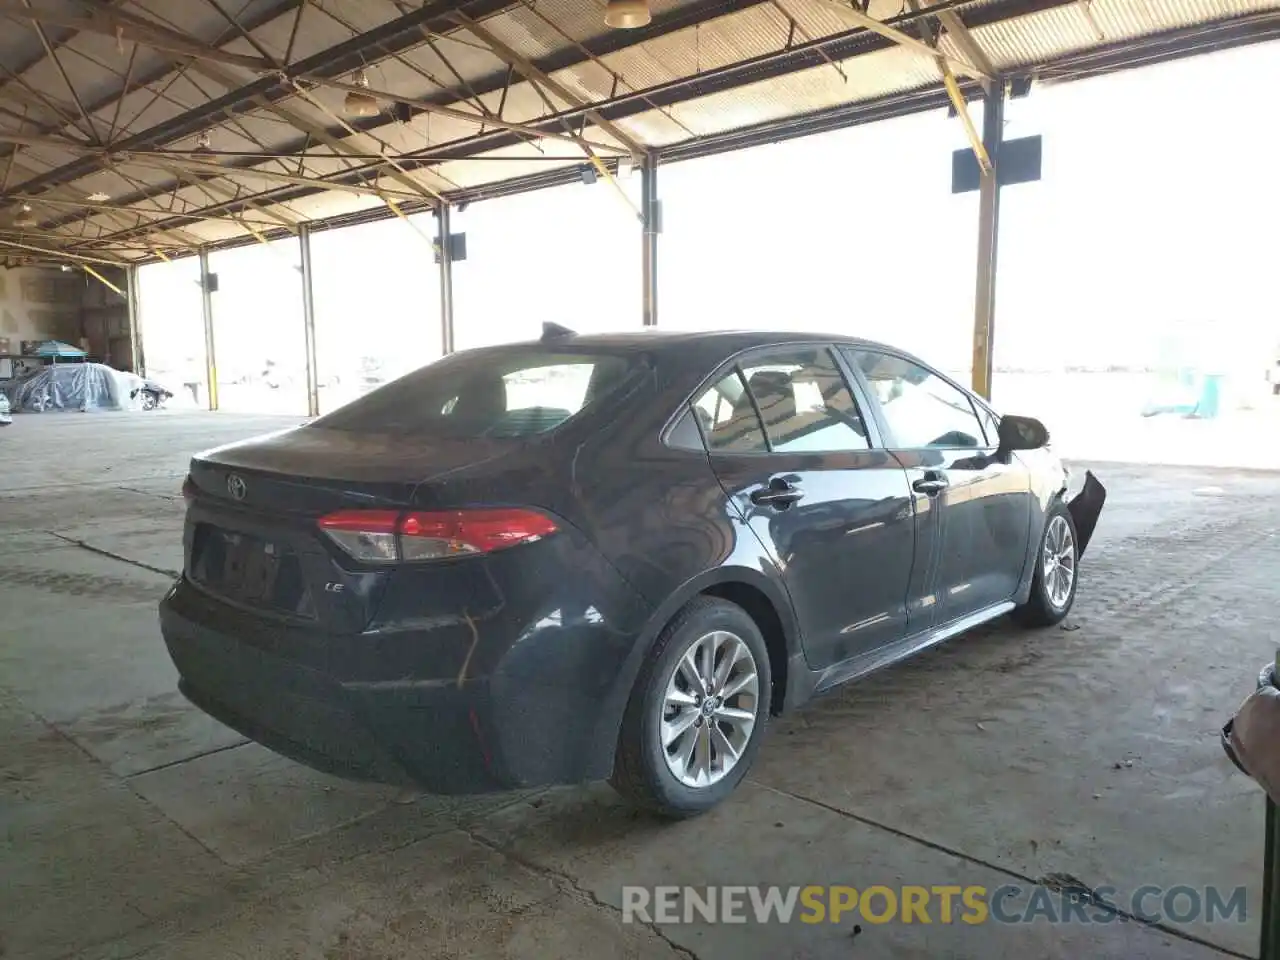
[{"x": 133, "y": 826}]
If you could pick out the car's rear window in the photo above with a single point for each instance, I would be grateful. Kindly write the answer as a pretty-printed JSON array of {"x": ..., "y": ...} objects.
[{"x": 502, "y": 393}]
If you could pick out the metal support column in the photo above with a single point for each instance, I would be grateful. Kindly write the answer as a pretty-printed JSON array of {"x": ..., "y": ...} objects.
[
  {"x": 1269, "y": 948},
  {"x": 309, "y": 320},
  {"x": 206, "y": 302},
  {"x": 984, "y": 302},
  {"x": 445, "y": 250},
  {"x": 138, "y": 360},
  {"x": 651, "y": 224}
]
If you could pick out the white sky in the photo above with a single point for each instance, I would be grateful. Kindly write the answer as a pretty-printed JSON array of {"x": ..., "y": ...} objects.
[{"x": 1158, "y": 206}]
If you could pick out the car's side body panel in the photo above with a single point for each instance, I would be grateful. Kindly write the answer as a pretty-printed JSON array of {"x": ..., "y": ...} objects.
[
  {"x": 845, "y": 551},
  {"x": 982, "y": 518},
  {"x": 660, "y": 518},
  {"x": 515, "y": 669},
  {"x": 1048, "y": 478},
  {"x": 979, "y": 499}
]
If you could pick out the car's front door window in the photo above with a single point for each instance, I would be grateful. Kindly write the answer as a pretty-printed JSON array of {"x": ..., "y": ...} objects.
[
  {"x": 920, "y": 407},
  {"x": 991, "y": 424}
]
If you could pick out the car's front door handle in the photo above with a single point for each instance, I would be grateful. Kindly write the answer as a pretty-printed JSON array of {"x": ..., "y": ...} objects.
[
  {"x": 779, "y": 493},
  {"x": 930, "y": 484}
]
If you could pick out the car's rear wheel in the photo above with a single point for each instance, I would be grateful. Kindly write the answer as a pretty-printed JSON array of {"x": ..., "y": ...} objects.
[
  {"x": 149, "y": 400},
  {"x": 1053, "y": 589},
  {"x": 696, "y": 716}
]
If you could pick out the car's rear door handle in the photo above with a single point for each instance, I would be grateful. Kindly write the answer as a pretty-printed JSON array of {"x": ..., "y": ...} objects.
[
  {"x": 931, "y": 484},
  {"x": 779, "y": 493}
]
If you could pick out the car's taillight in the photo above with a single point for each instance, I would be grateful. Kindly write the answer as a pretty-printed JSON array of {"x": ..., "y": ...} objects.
[
  {"x": 368, "y": 535},
  {"x": 387, "y": 536}
]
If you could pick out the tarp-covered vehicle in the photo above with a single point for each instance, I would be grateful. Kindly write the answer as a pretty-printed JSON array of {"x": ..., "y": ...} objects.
[{"x": 75, "y": 386}]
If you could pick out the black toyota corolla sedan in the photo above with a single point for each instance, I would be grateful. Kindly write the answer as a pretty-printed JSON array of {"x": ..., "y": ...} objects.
[{"x": 593, "y": 557}]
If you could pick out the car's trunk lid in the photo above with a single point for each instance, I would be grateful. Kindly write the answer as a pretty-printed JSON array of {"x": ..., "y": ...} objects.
[
  {"x": 309, "y": 471},
  {"x": 252, "y": 537}
]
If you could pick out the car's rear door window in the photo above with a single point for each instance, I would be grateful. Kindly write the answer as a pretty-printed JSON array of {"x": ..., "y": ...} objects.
[
  {"x": 804, "y": 401},
  {"x": 728, "y": 418},
  {"x": 491, "y": 394}
]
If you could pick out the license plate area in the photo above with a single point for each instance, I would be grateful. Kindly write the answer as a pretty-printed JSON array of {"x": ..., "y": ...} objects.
[{"x": 250, "y": 570}]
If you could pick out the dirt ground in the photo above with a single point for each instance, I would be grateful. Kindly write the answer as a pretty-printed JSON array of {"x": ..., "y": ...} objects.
[{"x": 134, "y": 826}]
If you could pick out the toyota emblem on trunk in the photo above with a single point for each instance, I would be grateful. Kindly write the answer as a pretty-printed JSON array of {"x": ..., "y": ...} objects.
[{"x": 236, "y": 486}]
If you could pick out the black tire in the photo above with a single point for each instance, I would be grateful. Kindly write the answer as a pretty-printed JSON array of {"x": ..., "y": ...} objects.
[
  {"x": 640, "y": 771},
  {"x": 1040, "y": 610},
  {"x": 149, "y": 400}
]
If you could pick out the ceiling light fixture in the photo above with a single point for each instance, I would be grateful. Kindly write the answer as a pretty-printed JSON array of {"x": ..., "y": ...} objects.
[
  {"x": 24, "y": 217},
  {"x": 627, "y": 14},
  {"x": 203, "y": 154},
  {"x": 359, "y": 104},
  {"x": 98, "y": 197}
]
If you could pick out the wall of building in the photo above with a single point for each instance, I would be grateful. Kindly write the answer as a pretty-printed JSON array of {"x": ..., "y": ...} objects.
[
  {"x": 105, "y": 318},
  {"x": 39, "y": 303}
]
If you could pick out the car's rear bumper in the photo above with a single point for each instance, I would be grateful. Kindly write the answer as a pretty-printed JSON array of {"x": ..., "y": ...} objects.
[
  {"x": 422, "y": 733},
  {"x": 542, "y": 709}
]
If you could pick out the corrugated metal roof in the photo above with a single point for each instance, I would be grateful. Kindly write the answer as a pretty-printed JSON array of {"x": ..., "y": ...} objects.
[
  {"x": 1037, "y": 38},
  {"x": 1121, "y": 20},
  {"x": 538, "y": 29},
  {"x": 690, "y": 52},
  {"x": 1041, "y": 37},
  {"x": 702, "y": 69},
  {"x": 877, "y": 74}
]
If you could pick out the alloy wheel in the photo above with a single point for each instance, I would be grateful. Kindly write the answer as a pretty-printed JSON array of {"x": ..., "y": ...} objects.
[
  {"x": 709, "y": 709},
  {"x": 1059, "y": 561}
]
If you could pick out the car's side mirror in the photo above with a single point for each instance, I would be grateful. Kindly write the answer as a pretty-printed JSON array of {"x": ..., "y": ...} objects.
[{"x": 1022, "y": 433}]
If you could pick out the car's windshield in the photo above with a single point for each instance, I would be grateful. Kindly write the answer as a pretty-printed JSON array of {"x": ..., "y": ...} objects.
[{"x": 503, "y": 393}]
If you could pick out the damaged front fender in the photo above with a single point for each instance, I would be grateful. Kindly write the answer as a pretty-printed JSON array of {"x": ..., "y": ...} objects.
[{"x": 1085, "y": 508}]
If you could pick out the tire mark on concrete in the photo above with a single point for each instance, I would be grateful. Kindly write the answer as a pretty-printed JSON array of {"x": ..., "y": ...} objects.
[
  {"x": 25, "y": 512},
  {"x": 81, "y": 585}
]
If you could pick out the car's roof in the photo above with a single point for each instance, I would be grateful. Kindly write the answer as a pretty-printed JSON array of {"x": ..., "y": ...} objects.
[
  {"x": 657, "y": 338},
  {"x": 699, "y": 347}
]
